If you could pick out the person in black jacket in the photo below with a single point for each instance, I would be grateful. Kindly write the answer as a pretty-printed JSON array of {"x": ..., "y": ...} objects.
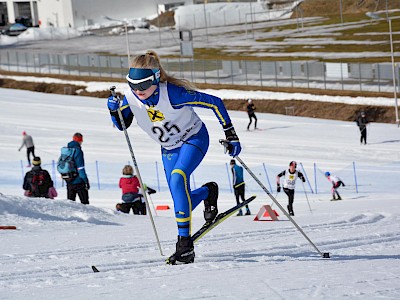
[
  {"x": 79, "y": 185},
  {"x": 362, "y": 122},
  {"x": 250, "y": 111},
  {"x": 37, "y": 181}
]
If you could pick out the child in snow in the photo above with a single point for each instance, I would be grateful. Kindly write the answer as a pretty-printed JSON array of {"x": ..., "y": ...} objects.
[
  {"x": 336, "y": 183},
  {"x": 289, "y": 182},
  {"x": 163, "y": 108},
  {"x": 37, "y": 182},
  {"x": 131, "y": 198}
]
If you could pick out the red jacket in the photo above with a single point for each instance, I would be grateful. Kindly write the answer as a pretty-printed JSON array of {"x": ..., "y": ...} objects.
[{"x": 129, "y": 184}]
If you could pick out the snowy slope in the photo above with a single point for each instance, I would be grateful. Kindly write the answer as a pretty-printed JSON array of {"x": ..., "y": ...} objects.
[{"x": 57, "y": 241}]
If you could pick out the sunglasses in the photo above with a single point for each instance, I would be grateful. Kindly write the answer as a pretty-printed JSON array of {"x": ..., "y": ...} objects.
[{"x": 141, "y": 84}]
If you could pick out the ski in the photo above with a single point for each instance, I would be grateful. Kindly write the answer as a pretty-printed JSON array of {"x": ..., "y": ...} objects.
[
  {"x": 95, "y": 270},
  {"x": 208, "y": 226}
]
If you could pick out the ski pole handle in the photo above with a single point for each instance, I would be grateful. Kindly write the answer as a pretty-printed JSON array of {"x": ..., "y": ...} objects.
[
  {"x": 113, "y": 93},
  {"x": 225, "y": 144}
]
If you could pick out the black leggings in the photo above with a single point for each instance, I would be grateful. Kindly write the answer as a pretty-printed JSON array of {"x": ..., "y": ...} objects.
[
  {"x": 80, "y": 189},
  {"x": 138, "y": 207},
  {"x": 252, "y": 116},
  {"x": 363, "y": 135},
  {"x": 239, "y": 193},
  {"x": 290, "y": 194},
  {"x": 29, "y": 151}
]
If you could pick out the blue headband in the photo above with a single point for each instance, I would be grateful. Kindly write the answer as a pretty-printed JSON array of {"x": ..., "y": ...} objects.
[{"x": 138, "y": 74}]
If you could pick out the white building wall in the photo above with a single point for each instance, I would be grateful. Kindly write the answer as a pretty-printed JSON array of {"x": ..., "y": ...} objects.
[{"x": 80, "y": 13}]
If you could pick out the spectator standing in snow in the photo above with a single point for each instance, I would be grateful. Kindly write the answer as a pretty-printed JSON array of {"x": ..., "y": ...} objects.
[
  {"x": 79, "y": 185},
  {"x": 289, "y": 182},
  {"x": 362, "y": 122},
  {"x": 27, "y": 141},
  {"x": 163, "y": 108},
  {"x": 336, "y": 183},
  {"x": 238, "y": 185},
  {"x": 37, "y": 182},
  {"x": 250, "y": 111}
]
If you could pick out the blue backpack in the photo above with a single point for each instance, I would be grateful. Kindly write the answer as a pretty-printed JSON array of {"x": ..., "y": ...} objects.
[{"x": 66, "y": 164}]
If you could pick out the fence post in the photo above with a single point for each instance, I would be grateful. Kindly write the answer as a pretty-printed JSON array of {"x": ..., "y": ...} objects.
[
  {"x": 217, "y": 65},
  {"x": 231, "y": 70},
  {"x": 53, "y": 172},
  {"x": 22, "y": 171},
  {"x": 305, "y": 174},
  {"x": 158, "y": 177},
  {"x": 245, "y": 67},
  {"x": 266, "y": 174},
  {"x": 229, "y": 178},
  {"x": 315, "y": 178},
  {"x": 355, "y": 176},
  {"x": 291, "y": 73},
  {"x": 204, "y": 71},
  {"x": 98, "y": 177}
]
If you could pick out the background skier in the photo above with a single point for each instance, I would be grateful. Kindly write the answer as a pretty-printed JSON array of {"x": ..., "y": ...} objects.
[
  {"x": 27, "y": 141},
  {"x": 336, "y": 183},
  {"x": 250, "y": 111},
  {"x": 362, "y": 122},
  {"x": 238, "y": 185},
  {"x": 289, "y": 182}
]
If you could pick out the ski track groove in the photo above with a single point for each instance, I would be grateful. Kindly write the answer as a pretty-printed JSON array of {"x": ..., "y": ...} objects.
[{"x": 205, "y": 260}]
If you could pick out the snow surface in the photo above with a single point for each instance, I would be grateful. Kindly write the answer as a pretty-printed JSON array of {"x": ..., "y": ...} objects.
[{"x": 57, "y": 241}]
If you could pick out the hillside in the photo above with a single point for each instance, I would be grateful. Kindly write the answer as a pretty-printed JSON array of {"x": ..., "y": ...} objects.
[{"x": 320, "y": 8}]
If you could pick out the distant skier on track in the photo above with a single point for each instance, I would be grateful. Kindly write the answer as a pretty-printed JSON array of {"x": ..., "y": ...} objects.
[
  {"x": 163, "y": 108},
  {"x": 251, "y": 112},
  {"x": 336, "y": 183},
  {"x": 289, "y": 182}
]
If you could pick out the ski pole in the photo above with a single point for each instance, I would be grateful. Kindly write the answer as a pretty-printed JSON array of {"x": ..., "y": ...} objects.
[
  {"x": 152, "y": 203},
  {"x": 307, "y": 197},
  {"x": 325, "y": 254},
  {"x": 276, "y": 196},
  {"x": 112, "y": 89}
]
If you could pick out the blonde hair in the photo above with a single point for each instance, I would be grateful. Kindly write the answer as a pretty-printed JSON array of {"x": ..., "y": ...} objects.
[
  {"x": 151, "y": 60},
  {"x": 127, "y": 170}
]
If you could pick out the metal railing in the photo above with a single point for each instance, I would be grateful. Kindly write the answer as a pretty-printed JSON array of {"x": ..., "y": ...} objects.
[{"x": 374, "y": 77}]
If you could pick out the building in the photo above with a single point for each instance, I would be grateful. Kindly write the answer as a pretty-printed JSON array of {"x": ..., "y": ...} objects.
[{"x": 80, "y": 13}]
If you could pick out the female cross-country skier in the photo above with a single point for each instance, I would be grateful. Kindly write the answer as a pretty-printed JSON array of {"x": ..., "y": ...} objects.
[{"x": 163, "y": 108}]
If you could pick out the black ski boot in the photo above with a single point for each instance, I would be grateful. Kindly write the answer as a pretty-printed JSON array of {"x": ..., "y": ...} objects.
[
  {"x": 210, "y": 204},
  {"x": 184, "y": 253},
  {"x": 290, "y": 209},
  {"x": 248, "y": 213}
]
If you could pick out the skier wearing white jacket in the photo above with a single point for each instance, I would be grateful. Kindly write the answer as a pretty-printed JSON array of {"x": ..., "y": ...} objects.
[{"x": 289, "y": 183}]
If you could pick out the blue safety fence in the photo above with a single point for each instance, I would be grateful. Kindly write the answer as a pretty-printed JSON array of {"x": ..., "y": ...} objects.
[{"x": 359, "y": 178}]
